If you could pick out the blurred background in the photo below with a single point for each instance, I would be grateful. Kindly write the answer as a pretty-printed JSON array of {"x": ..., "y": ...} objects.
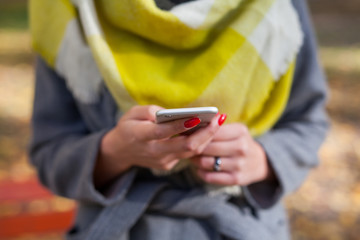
[{"x": 327, "y": 206}]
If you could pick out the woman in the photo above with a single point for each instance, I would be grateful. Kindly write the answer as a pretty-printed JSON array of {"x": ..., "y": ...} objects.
[{"x": 104, "y": 70}]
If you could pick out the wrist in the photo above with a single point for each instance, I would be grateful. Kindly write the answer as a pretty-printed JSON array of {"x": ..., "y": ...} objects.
[
  {"x": 267, "y": 173},
  {"x": 109, "y": 163},
  {"x": 270, "y": 176}
]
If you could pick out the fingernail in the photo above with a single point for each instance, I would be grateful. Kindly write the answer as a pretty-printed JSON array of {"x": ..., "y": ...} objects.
[
  {"x": 222, "y": 119},
  {"x": 192, "y": 122}
]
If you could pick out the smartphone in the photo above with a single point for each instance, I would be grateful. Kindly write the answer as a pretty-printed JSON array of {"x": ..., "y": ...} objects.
[{"x": 205, "y": 114}]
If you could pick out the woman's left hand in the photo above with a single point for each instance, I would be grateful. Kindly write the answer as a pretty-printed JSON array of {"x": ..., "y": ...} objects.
[{"x": 243, "y": 160}]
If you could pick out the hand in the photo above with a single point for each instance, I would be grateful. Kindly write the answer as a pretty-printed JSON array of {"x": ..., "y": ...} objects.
[
  {"x": 138, "y": 141},
  {"x": 243, "y": 160}
]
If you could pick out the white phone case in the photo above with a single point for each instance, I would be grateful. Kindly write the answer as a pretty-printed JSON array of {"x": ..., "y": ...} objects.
[{"x": 204, "y": 113}]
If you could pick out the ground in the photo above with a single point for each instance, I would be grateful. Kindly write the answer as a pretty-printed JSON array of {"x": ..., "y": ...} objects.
[{"x": 327, "y": 206}]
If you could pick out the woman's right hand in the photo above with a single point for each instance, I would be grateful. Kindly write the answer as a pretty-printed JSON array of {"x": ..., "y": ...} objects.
[{"x": 137, "y": 140}]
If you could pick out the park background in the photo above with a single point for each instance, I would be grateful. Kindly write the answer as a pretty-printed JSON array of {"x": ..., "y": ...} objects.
[{"x": 327, "y": 206}]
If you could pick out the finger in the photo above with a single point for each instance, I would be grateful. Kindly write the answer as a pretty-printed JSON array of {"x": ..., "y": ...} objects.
[
  {"x": 167, "y": 164},
  {"x": 159, "y": 165},
  {"x": 146, "y": 112},
  {"x": 230, "y": 132},
  {"x": 236, "y": 147},
  {"x": 198, "y": 140},
  {"x": 147, "y": 130},
  {"x": 169, "y": 146},
  {"x": 218, "y": 178},
  {"x": 227, "y": 164},
  {"x": 174, "y": 147}
]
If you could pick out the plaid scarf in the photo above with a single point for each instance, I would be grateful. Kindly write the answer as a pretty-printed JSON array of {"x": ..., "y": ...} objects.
[{"x": 238, "y": 55}]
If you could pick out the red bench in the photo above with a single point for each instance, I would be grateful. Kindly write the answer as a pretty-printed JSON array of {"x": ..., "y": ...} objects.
[{"x": 27, "y": 208}]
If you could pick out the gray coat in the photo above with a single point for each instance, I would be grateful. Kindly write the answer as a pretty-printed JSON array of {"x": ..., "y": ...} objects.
[{"x": 138, "y": 205}]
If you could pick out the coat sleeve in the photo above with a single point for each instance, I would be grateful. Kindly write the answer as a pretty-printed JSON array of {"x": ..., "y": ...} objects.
[
  {"x": 292, "y": 145},
  {"x": 62, "y": 149}
]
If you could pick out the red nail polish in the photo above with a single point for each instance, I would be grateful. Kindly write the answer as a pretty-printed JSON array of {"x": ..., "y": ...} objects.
[
  {"x": 192, "y": 122},
  {"x": 222, "y": 119}
]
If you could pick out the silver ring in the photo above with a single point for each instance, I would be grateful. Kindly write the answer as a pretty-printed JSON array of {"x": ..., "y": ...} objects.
[{"x": 217, "y": 164}]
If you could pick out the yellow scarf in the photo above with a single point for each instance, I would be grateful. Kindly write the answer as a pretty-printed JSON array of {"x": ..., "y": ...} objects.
[{"x": 237, "y": 55}]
